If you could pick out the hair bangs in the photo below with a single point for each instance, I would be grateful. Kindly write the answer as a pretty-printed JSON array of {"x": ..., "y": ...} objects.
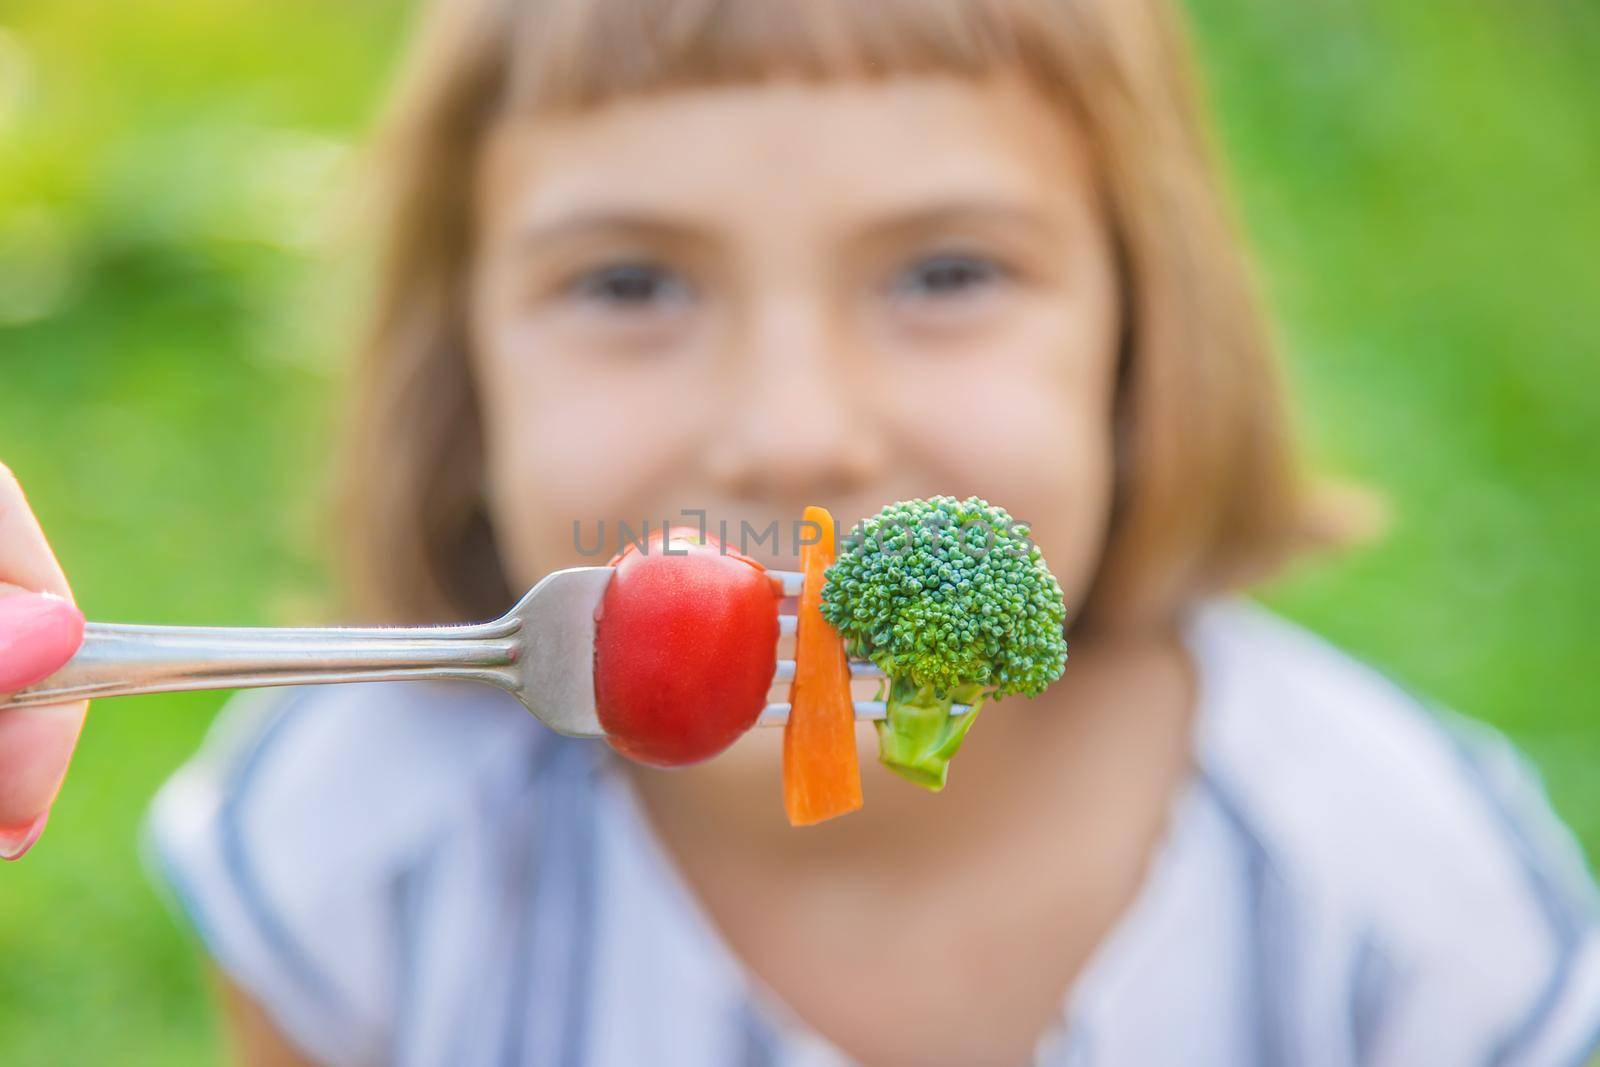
[{"x": 570, "y": 54}]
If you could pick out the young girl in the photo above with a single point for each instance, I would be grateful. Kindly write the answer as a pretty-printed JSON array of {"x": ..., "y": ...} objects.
[{"x": 740, "y": 256}]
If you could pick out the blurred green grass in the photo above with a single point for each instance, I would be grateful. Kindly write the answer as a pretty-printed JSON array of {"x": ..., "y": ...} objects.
[{"x": 1418, "y": 178}]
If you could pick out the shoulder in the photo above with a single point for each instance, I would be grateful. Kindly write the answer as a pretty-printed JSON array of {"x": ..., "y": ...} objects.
[
  {"x": 281, "y": 836},
  {"x": 1352, "y": 780},
  {"x": 1413, "y": 832}
]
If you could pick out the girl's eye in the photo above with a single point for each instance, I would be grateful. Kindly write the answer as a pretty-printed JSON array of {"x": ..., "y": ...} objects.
[
  {"x": 946, "y": 276},
  {"x": 632, "y": 286}
]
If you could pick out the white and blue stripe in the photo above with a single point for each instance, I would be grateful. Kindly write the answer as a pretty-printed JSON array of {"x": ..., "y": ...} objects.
[{"x": 420, "y": 875}]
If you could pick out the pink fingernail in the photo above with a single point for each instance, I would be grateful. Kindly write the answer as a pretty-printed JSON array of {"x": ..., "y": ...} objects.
[
  {"x": 15, "y": 841},
  {"x": 38, "y": 633}
]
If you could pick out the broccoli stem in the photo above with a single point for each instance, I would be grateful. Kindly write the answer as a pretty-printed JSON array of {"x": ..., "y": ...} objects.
[{"x": 920, "y": 736}]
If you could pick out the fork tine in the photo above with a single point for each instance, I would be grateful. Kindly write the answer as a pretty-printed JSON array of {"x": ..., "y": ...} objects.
[
  {"x": 792, "y": 581},
  {"x": 778, "y": 714},
  {"x": 858, "y": 669}
]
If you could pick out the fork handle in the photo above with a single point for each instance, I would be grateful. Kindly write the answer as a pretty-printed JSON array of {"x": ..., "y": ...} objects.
[{"x": 121, "y": 660}]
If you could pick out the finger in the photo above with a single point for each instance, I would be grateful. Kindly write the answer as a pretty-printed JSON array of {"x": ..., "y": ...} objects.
[
  {"x": 25, "y": 556},
  {"x": 36, "y": 747},
  {"x": 35, "y": 743},
  {"x": 35, "y": 750},
  {"x": 38, "y": 633}
]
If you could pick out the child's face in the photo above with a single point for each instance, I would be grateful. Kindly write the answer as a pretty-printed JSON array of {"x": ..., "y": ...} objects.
[{"x": 750, "y": 299}]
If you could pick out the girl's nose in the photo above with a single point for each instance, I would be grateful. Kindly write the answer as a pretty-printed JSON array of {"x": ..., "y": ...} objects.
[{"x": 796, "y": 407}]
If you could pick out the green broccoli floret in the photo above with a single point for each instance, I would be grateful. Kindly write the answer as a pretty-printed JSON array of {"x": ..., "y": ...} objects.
[{"x": 954, "y": 602}]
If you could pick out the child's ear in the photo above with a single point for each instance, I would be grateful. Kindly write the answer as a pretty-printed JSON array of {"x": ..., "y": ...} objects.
[{"x": 1342, "y": 514}]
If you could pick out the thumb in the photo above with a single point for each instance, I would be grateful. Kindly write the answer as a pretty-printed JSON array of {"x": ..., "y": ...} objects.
[{"x": 38, "y": 633}]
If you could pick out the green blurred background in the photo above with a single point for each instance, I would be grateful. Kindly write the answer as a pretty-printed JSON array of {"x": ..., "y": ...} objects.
[{"x": 1421, "y": 180}]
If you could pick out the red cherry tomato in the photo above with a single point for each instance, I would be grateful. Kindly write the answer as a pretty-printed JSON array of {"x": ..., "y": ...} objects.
[{"x": 685, "y": 646}]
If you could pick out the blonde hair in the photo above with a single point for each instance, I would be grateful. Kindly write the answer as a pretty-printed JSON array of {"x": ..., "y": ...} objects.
[{"x": 1207, "y": 493}]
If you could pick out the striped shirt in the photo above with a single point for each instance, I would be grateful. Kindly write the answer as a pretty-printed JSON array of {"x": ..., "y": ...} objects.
[{"x": 421, "y": 874}]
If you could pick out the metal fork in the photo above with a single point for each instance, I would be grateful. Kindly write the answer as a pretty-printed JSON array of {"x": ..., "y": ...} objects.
[{"x": 541, "y": 652}]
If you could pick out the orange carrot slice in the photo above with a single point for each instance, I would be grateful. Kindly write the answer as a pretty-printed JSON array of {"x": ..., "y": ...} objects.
[{"x": 821, "y": 775}]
